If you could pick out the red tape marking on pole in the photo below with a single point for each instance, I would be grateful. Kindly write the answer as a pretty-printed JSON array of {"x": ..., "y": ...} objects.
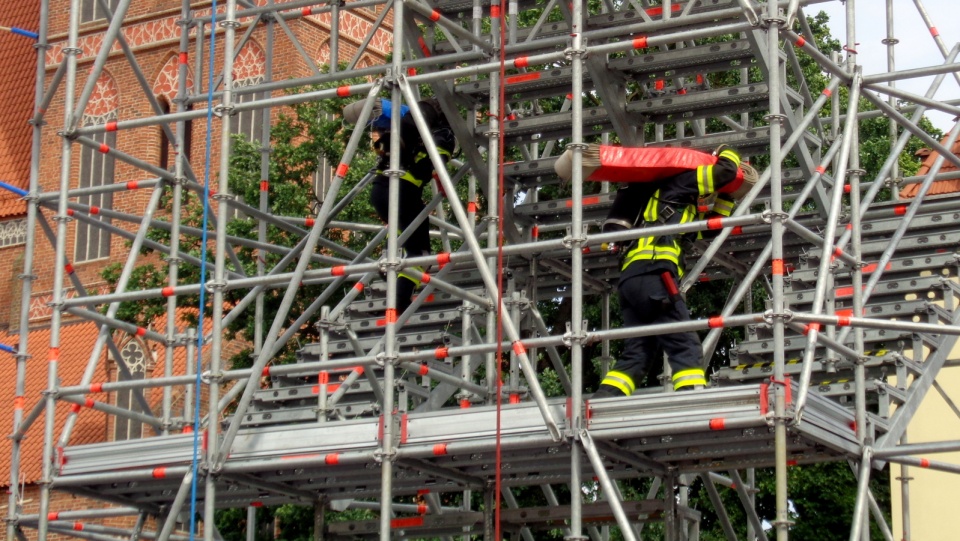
[
  {"x": 343, "y": 91},
  {"x": 924, "y": 463},
  {"x": 160, "y": 473},
  {"x": 342, "y": 170},
  {"x": 440, "y": 449},
  {"x": 777, "y": 265},
  {"x": 521, "y": 62},
  {"x": 715, "y": 223},
  {"x": 718, "y": 423},
  {"x": 519, "y": 349},
  {"x": 640, "y": 43},
  {"x": 332, "y": 459},
  {"x": 715, "y": 322},
  {"x": 800, "y": 41}
]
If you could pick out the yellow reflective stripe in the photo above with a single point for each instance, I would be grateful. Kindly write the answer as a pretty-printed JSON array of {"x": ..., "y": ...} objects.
[
  {"x": 686, "y": 378},
  {"x": 410, "y": 277},
  {"x": 723, "y": 207},
  {"x": 411, "y": 179},
  {"x": 731, "y": 155},
  {"x": 619, "y": 380},
  {"x": 650, "y": 214}
]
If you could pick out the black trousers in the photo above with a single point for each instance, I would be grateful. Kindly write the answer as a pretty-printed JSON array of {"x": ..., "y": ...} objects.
[
  {"x": 411, "y": 205},
  {"x": 644, "y": 301}
]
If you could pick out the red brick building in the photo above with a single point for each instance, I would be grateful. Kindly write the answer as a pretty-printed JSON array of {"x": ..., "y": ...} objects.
[{"x": 152, "y": 31}]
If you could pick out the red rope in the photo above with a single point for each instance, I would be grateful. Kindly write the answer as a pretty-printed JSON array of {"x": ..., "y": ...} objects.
[{"x": 501, "y": 109}]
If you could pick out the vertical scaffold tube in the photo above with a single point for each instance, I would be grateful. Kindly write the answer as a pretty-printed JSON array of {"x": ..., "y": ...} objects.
[
  {"x": 576, "y": 268},
  {"x": 229, "y": 25},
  {"x": 70, "y": 53},
  {"x": 782, "y": 523},
  {"x": 23, "y": 353},
  {"x": 390, "y": 334}
]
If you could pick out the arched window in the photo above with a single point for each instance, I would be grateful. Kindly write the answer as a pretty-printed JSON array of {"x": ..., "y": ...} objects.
[
  {"x": 97, "y": 169},
  {"x": 134, "y": 358}
]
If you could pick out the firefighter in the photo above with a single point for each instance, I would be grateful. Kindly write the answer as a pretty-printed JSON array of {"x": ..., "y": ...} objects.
[
  {"x": 417, "y": 172},
  {"x": 652, "y": 266}
]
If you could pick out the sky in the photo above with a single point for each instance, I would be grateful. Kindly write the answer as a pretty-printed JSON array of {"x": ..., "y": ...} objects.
[{"x": 916, "y": 49}]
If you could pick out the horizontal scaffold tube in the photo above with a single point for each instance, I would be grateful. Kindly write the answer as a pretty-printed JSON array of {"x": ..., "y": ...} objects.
[
  {"x": 524, "y": 249},
  {"x": 312, "y": 368},
  {"x": 640, "y": 42}
]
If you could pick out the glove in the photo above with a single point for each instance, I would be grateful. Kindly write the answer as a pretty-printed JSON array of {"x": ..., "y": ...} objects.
[{"x": 719, "y": 149}]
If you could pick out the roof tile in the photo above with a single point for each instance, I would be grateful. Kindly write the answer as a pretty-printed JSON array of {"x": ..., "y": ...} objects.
[
  {"x": 16, "y": 101},
  {"x": 76, "y": 342},
  {"x": 938, "y": 187}
]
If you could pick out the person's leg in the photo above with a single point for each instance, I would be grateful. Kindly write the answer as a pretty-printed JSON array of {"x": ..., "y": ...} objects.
[
  {"x": 380, "y": 199},
  {"x": 635, "y": 308},
  {"x": 683, "y": 349}
]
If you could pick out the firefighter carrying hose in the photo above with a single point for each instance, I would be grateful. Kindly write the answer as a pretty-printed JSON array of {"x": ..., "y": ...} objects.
[{"x": 653, "y": 265}]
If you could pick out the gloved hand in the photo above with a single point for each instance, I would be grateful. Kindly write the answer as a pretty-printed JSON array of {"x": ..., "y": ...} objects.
[{"x": 719, "y": 149}]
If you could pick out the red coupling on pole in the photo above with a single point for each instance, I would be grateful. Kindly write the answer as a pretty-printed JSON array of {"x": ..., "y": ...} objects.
[
  {"x": 111, "y": 126},
  {"x": 821, "y": 169},
  {"x": 518, "y": 348},
  {"x": 442, "y": 259},
  {"x": 18, "y": 403},
  {"x": 434, "y": 15},
  {"x": 104, "y": 148},
  {"x": 934, "y": 32},
  {"x": 424, "y": 369},
  {"x": 715, "y": 322},
  {"x": 777, "y": 267},
  {"x": 141, "y": 331},
  {"x": 75, "y": 408},
  {"x": 715, "y": 223},
  {"x": 342, "y": 170},
  {"x": 441, "y": 353},
  {"x": 160, "y": 473},
  {"x": 924, "y": 463},
  {"x": 265, "y": 372},
  {"x": 358, "y": 286},
  {"x": 425, "y": 278},
  {"x": 78, "y": 526},
  {"x": 737, "y": 230},
  {"x": 184, "y": 58},
  {"x": 68, "y": 268},
  {"x": 800, "y": 41},
  {"x": 264, "y": 185},
  {"x": 53, "y": 354},
  {"x": 309, "y": 222},
  {"x": 640, "y": 43},
  {"x": 514, "y": 398},
  {"x": 422, "y": 509},
  {"x": 718, "y": 424},
  {"x": 521, "y": 62},
  {"x": 53, "y": 515},
  {"x": 96, "y": 388},
  {"x": 94, "y": 210},
  {"x": 306, "y": 12},
  {"x": 464, "y": 404},
  {"x": 472, "y": 207},
  {"x": 343, "y": 91},
  {"x": 332, "y": 459},
  {"x": 167, "y": 291},
  {"x": 89, "y": 403},
  {"x": 827, "y": 92},
  {"x": 133, "y": 185},
  {"x": 440, "y": 449},
  {"x": 495, "y": 11},
  {"x": 811, "y": 327},
  {"x": 900, "y": 210},
  {"x": 843, "y": 321},
  {"x": 256, "y": 504}
]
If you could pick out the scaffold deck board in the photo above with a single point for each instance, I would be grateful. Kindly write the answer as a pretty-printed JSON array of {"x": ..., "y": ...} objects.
[{"x": 715, "y": 428}]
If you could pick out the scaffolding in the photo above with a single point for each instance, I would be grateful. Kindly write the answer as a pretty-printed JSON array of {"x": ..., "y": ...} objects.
[{"x": 388, "y": 407}]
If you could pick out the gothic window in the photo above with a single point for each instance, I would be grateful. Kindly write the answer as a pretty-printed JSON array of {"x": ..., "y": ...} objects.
[
  {"x": 13, "y": 232},
  {"x": 134, "y": 358},
  {"x": 91, "y": 10},
  {"x": 96, "y": 169}
]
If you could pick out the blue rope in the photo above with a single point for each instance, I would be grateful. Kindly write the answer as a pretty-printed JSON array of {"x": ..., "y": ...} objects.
[
  {"x": 194, "y": 465},
  {"x": 10, "y": 187},
  {"x": 8, "y": 349}
]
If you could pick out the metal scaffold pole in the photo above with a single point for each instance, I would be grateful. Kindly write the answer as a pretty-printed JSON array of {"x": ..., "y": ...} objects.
[
  {"x": 33, "y": 212},
  {"x": 423, "y": 422}
]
